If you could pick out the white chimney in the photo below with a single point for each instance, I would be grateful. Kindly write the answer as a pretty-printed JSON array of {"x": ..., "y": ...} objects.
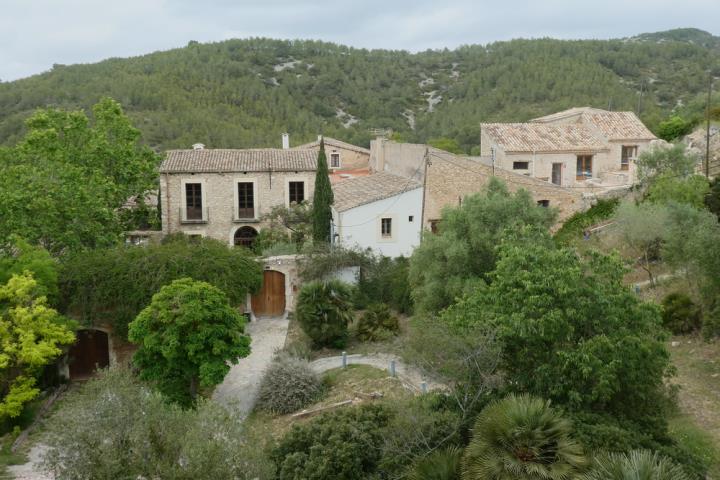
[
  {"x": 198, "y": 146},
  {"x": 319, "y": 137},
  {"x": 285, "y": 141}
]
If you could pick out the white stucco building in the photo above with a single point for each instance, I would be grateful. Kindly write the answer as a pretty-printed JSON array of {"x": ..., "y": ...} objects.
[{"x": 381, "y": 211}]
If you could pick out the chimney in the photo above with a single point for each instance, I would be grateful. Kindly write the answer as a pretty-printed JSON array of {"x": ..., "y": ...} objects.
[
  {"x": 319, "y": 137},
  {"x": 285, "y": 141},
  {"x": 198, "y": 146}
]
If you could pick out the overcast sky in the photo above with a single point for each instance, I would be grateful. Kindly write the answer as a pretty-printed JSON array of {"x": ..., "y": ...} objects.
[{"x": 34, "y": 34}]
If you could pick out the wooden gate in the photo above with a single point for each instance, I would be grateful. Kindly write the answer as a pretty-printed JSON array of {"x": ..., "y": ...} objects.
[
  {"x": 90, "y": 352},
  {"x": 270, "y": 301}
]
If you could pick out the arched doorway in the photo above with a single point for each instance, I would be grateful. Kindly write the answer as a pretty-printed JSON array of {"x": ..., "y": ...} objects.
[
  {"x": 270, "y": 300},
  {"x": 90, "y": 352},
  {"x": 245, "y": 236}
]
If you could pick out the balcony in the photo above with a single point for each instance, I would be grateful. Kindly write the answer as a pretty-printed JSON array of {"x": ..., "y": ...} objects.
[
  {"x": 245, "y": 215},
  {"x": 194, "y": 214}
]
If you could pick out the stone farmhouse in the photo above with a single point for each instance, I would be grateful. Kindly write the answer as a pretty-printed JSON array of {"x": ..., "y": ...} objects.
[
  {"x": 578, "y": 148},
  {"x": 224, "y": 194},
  {"x": 381, "y": 211},
  {"x": 448, "y": 178}
]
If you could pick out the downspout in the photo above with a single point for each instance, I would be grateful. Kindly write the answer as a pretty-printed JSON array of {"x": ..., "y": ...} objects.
[{"x": 422, "y": 211}]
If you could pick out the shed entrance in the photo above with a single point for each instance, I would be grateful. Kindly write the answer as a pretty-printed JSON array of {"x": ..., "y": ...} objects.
[{"x": 270, "y": 300}]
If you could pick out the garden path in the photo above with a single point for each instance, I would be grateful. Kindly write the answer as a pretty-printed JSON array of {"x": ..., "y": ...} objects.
[
  {"x": 240, "y": 387},
  {"x": 412, "y": 377}
]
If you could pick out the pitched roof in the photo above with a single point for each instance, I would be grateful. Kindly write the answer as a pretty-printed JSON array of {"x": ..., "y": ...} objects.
[
  {"x": 611, "y": 125},
  {"x": 541, "y": 137},
  {"x": 358, "y": 191},
  {"x": 249, "y": 160},
  {"x": 334, "y": 143},
  {"x": 619, "y": 125}
]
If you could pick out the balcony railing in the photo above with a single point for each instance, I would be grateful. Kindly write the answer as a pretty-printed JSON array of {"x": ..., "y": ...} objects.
[{"x": 194, "y": 214}]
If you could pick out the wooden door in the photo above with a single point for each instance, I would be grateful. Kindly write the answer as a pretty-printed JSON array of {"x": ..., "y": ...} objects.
[
  {"x": 557, "y": 173},
  {"x": 90, "y": 352},
  {"x": 270, "y": 301}
]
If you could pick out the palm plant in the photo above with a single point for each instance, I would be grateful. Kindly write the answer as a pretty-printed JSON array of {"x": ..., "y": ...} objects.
[
  {"x": 522, "y": 438},
  {"x": 439, "y": 465},
  {"x": 324, "y": 310},
  {"x": 636, "y": 465}
]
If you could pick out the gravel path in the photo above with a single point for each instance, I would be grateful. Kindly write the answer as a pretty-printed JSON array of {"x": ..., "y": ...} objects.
[
  {"x": 30, "y": 470},
  {"x": 241, "y": 384},
  {"x": 411, "y": 376}
]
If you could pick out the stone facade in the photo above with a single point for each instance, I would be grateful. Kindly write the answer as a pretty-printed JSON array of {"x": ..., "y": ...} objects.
[
  {"x": 220, "y": 199},
  {"x": 452, "y": 177},
  {"x": 552, "y": 148},
  {"x": 348, "y": 157},
  {"x": 221, "y": 214}
]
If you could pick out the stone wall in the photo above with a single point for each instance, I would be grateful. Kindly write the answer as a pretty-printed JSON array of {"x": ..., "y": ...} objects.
[
  {"x": 220, "y": 199},
  {"x": 451, "y": 177}
]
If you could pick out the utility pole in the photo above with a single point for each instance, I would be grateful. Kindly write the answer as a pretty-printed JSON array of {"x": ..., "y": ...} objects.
[
  {"x": 707, "y": 128},
  {"x": 426, "y": 161}
]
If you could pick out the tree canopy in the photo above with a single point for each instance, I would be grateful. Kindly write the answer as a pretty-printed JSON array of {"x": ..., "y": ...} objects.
[
  {"x": 458, "y": 258},
  {"x": 570, "y": 330},
  {"x": 186, "y": 339},
  {"x": 31, "y": 336},
  {"x": 322, "y": 200},
  {"x": 67, "y": 178}
]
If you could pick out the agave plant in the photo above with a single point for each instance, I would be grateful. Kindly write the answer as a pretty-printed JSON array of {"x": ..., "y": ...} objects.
[
  {"x": 522, "y": 438},
  {"x": 636, "y": 465},
  {"x": 439, "y": 465}
]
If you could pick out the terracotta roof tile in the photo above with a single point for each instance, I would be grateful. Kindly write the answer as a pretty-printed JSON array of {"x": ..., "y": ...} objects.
[
  {"x": 335, "y": 143},
  {"x": 611, "y": 125},
  {"x": 227, "y": 160},
  {"x": 358, "y": 191},
  {"x": 541, "y": 137}
]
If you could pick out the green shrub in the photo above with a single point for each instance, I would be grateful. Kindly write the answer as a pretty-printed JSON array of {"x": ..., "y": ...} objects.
[
  {"x": 522, "y": 437},
  {"x": 711, "y": 323},
  {"x": 324, "y": 310},
  {"x": 635, "y": 464},
  {"x": 439, "y": 465},
  {"x": 114, "y": 284},
  {"x": 288, "y": 385},
  {"x": 417, "y": 427},
  {"x": 336, "y": 446},
  {"x": 115, "y": 427},
  {"x": 575, "y": 225},
  {"x": 680, "y": 314},
  {"x": 385, "y": 280},
  {"x": 377, "y": 323}
]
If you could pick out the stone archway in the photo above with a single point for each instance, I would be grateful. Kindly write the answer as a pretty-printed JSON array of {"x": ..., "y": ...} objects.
[
  {"x": 90, "y": 352},
  {"x": 245, "y": 236}
]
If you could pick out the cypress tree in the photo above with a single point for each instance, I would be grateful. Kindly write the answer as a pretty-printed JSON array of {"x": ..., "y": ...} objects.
[{"x": 322, "y": 199}]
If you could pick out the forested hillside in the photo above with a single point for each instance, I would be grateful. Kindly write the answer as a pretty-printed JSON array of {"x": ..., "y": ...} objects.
[{"x": 242, "y": 93}]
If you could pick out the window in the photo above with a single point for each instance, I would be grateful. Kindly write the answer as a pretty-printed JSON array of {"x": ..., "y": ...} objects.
[
  {"x": 543, "y": 203},
  {"x": 334, "y": 160},
  {"x": 434, "y": 226},
  {"x": 411, "y": 218},
  {"x": 297, "y": 192},
  {"x": 584, "y": 167},
  {"x": 386, "y": 227},
  {"x": 521, "y": 165},
  {"x": 245, "y": 236},
  {"x": 246, "y": 200},
  {"x": 193, "y": 201},
  {"x": 629, "y": 152}
]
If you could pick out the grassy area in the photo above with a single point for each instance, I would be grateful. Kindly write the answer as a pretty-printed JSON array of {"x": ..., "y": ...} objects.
[
  {"x": 353, "y": 382},
  {"x": 698, "y": 375}
]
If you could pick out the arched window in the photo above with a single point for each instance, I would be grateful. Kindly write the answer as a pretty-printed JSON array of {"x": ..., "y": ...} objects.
[{"x": 245, "y": 236}]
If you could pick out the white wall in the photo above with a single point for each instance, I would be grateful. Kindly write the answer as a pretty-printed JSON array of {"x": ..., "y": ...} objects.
[{"x": 360, "y": 226}]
